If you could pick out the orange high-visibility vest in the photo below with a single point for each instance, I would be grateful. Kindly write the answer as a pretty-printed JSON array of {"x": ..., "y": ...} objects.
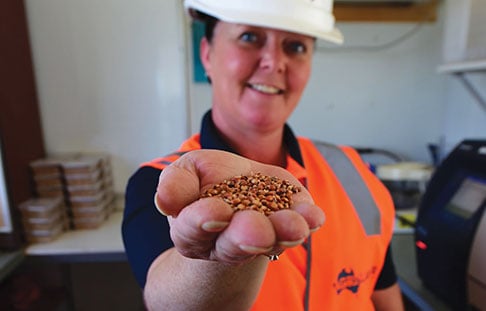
[{"x": 348, "y": 252}]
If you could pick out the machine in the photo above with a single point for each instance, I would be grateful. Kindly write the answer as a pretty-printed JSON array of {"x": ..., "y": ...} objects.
[
  {"x": 450, "y": 229},
  {"x": 476, "y": 274}
]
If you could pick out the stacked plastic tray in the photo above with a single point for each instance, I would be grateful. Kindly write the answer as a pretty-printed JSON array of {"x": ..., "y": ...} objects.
[
  {"x": 47, "y": 177},
  {"x": 82, "y": 181},
  {"x": 43, "y": 219},
  {"x": 89, "y": 188}
]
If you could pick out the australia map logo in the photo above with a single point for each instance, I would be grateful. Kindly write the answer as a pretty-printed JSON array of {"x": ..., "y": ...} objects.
[{"x": 348, "y": 280}]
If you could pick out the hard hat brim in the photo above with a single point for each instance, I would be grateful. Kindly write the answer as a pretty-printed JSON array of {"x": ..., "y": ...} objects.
[{"x": 263, "y": 19}]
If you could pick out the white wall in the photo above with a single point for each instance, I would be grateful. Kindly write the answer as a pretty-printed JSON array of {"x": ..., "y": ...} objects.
[
  {"x": 110, "y": 77},
  {"x": 465, "y": 117},
  {"x": 464, "y": 41}
]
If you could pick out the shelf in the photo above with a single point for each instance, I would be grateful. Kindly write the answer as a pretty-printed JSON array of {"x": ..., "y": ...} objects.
[
  {"x": 477, "y": 65},
  {"x": 101, "y": 244},
  {"x": 381, "y": 11}
]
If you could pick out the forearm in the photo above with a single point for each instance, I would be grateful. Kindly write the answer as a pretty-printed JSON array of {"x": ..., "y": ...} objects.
[
  {"x": 388, "y": 299},
  {"x": 175, "y": 282}
]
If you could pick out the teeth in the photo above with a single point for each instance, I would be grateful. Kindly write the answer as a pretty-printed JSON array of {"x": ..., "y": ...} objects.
[{"x": 265, "y": 88}]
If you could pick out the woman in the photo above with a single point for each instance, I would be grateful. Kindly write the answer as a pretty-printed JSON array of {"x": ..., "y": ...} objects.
[{"x": 258, "y": 55}]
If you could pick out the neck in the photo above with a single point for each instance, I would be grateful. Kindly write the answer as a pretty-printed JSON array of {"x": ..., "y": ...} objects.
[
  {"x": 265, "y": 146},
  {"x": 268, "y": 149}
]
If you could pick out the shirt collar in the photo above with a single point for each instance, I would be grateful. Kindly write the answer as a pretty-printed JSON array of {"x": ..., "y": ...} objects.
[{"x": 210, "y": 139}]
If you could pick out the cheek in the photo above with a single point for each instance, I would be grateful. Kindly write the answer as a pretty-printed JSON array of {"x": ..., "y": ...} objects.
[
  {"x": 235, "y": 63},
  {"x": 299, "y": 77}
]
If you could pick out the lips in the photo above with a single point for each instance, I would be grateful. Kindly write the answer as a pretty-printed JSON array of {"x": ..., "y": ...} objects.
[{"x": 266, "y": 89}]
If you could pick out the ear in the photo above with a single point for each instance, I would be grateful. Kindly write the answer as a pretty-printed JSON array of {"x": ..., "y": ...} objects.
[{"x": 204, "y": 54}]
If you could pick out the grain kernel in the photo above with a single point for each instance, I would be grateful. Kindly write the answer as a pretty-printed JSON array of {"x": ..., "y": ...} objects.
[{"x": 265, "y": 194}]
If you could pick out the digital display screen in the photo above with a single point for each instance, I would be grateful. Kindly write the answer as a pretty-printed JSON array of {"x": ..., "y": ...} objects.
[{"x": 468, "y": 198}]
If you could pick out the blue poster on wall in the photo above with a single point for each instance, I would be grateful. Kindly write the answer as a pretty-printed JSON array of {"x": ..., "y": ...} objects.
[{"x": 197, "y": 33}]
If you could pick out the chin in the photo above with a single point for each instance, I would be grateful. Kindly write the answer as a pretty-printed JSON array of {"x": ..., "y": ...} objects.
[{"x": 265, "y": 121}]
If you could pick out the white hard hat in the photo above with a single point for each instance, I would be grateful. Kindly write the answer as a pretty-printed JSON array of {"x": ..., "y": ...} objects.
[{"x": 308, "y": 17}]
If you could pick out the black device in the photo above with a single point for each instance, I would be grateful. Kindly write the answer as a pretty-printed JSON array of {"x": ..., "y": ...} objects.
[{"x": 447, "y": 220}]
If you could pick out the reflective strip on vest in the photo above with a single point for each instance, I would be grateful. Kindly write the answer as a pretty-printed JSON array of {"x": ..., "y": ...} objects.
[{"x": 354, "y": 186}]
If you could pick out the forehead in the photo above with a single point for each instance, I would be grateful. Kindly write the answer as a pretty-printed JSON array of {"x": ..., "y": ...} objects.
[{"x": 236, "y": 27}]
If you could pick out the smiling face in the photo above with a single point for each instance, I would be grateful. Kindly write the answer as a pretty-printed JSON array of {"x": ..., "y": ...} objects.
[{"x": 257, "y": 75}]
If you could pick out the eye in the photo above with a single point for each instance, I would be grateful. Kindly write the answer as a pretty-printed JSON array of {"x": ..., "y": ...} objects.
[
  {"x": 248, "y": 36},
  {"x": 295, "y": 47}
]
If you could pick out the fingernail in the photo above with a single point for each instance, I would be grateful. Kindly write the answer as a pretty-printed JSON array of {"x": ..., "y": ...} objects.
[
  {"x": 157, "y": 205},
  {"x": 291, "y": 243},
  {"x": 255, "y": 249},
  {"x": 214, "y": 226},
  {"x": 312, "y": 230}
]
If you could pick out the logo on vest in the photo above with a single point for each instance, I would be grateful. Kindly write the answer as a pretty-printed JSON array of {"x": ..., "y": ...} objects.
[{"x": 348, "y": 280}]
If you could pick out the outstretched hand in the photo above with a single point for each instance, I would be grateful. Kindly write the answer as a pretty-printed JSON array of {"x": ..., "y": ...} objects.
[{"x": 209, "y": 228}]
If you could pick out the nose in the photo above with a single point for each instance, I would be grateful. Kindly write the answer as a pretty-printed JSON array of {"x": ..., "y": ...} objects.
[{"x": 273, "y": 57}]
